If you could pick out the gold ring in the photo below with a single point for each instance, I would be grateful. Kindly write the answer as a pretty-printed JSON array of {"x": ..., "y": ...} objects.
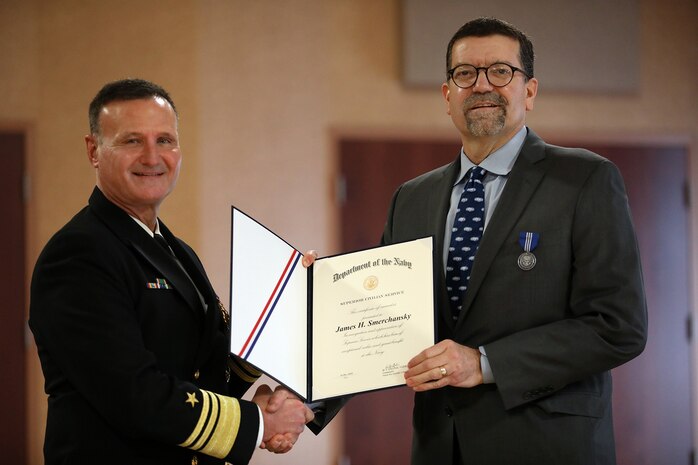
[{"x": 443, "y": 371}]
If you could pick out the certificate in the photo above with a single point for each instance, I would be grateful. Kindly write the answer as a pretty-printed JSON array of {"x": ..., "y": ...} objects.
[{"x": 346, "y": 325}]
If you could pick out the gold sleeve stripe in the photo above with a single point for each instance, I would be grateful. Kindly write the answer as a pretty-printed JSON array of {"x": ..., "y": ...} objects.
[
  {"x": 210, "y": 423},
  {"x": 205, "y": 407},
  {"x": 226, "y": 432},
  {"x": 245, "y": 371},
  {"x": 252, "y": 370},
  {"x": 218, "y": 425}
]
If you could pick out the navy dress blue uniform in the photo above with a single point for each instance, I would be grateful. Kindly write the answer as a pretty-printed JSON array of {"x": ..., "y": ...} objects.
[{"x": 137, "y": 371}]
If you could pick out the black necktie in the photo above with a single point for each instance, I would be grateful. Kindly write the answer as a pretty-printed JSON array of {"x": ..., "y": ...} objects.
[{"x": 163, "y": 243}]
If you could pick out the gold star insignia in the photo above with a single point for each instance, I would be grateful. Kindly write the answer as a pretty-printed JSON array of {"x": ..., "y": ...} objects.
[{"x": 191, "y": 399}]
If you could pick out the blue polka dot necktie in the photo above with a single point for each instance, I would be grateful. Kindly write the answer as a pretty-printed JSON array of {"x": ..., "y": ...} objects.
[{"x": 466, "y": 233}]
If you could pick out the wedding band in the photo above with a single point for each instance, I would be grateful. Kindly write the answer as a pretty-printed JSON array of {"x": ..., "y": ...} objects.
[{"x": 443, "y": 371}]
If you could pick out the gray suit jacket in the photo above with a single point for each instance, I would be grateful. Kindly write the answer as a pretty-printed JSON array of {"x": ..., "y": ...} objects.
[{"x": 552, "y": 333}]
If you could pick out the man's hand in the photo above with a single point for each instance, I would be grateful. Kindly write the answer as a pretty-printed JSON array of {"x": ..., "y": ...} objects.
[
  {"x": 444, "y": 364},
  {"x": 284, "y": 417},
  {"x": 309, "y": 257}
]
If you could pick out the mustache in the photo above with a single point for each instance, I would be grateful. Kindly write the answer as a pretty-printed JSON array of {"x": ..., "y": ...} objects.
[{"x": 493, "y": 97}]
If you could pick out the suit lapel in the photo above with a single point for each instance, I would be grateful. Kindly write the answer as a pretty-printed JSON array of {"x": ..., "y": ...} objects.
[
  {"x": 438, "y": 205},
  {"x": 439, "y": 202},
  {"x": 522, "y": 183}
]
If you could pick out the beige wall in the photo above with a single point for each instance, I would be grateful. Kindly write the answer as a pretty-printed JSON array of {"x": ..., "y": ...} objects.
[{"x": 263, "y": 89}]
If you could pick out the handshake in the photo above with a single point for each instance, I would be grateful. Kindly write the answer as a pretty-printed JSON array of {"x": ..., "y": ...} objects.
[{"x": 284, "y": 415}]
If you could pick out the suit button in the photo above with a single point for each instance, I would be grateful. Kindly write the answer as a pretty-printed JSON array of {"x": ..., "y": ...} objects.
[
  {"x": 197, "y": 374},
  {"x": 449, "y": 412}
]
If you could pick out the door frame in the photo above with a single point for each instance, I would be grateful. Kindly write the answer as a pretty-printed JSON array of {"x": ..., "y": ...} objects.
[
  {"x": 35, "y": 398},
  {"x": 14, "y": 425}
]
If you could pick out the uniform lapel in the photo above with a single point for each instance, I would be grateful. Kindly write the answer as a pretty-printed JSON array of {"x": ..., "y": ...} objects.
[
  {"x": 212, "y": 318},
  {"x": 166, "y": 264},
  {"x": 522, "y": 183},
  {"x": 135, "y": 237}
]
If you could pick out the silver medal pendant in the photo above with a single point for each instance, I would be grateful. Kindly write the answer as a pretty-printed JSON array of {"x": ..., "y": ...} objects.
[{"x": 526, "y": 261}]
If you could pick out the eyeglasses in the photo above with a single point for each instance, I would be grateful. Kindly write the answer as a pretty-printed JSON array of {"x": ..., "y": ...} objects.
[{"x": 497, "y": 74}]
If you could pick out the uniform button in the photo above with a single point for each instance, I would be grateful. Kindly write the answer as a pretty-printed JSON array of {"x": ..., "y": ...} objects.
[
  {"x": 449, "y": 412},
  {"x": 196, "y": 376},
  {"x": 194, "y": 460}
]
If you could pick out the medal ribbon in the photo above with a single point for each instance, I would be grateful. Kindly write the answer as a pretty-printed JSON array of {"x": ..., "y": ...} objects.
[{"x": 528, "y": 240}]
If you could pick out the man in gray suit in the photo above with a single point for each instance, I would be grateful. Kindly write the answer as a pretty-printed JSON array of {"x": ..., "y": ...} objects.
[{"x": 539, "y": 295}]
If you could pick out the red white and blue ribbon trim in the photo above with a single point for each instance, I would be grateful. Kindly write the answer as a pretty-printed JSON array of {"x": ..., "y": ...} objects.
[{"x": 270, "y": 306}]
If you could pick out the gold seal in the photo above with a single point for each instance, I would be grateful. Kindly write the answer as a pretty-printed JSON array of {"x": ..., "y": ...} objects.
[{"x": 370, "y": 283}]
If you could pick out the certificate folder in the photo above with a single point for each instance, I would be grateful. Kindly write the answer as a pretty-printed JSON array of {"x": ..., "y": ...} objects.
[{"x": 346, "y": 325}]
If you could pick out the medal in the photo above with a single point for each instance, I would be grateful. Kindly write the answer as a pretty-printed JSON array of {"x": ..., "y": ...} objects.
[
  {"x": 526, "y": 261},
  {"x": 528, "y": 241}
]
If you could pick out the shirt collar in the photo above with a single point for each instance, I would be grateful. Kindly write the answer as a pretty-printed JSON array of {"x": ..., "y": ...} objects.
[
  {"x": 143, "y": 225},
  {"x": 500, "y": 162}
]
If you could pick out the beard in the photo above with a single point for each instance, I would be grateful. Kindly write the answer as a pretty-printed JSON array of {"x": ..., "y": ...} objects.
[{"x": 489, "y": 123}]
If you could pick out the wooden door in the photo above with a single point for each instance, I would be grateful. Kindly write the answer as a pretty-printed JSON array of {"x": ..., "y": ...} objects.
[
  {"x": 12, "y": 303},
  {"x": 651, "y": 393}
]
